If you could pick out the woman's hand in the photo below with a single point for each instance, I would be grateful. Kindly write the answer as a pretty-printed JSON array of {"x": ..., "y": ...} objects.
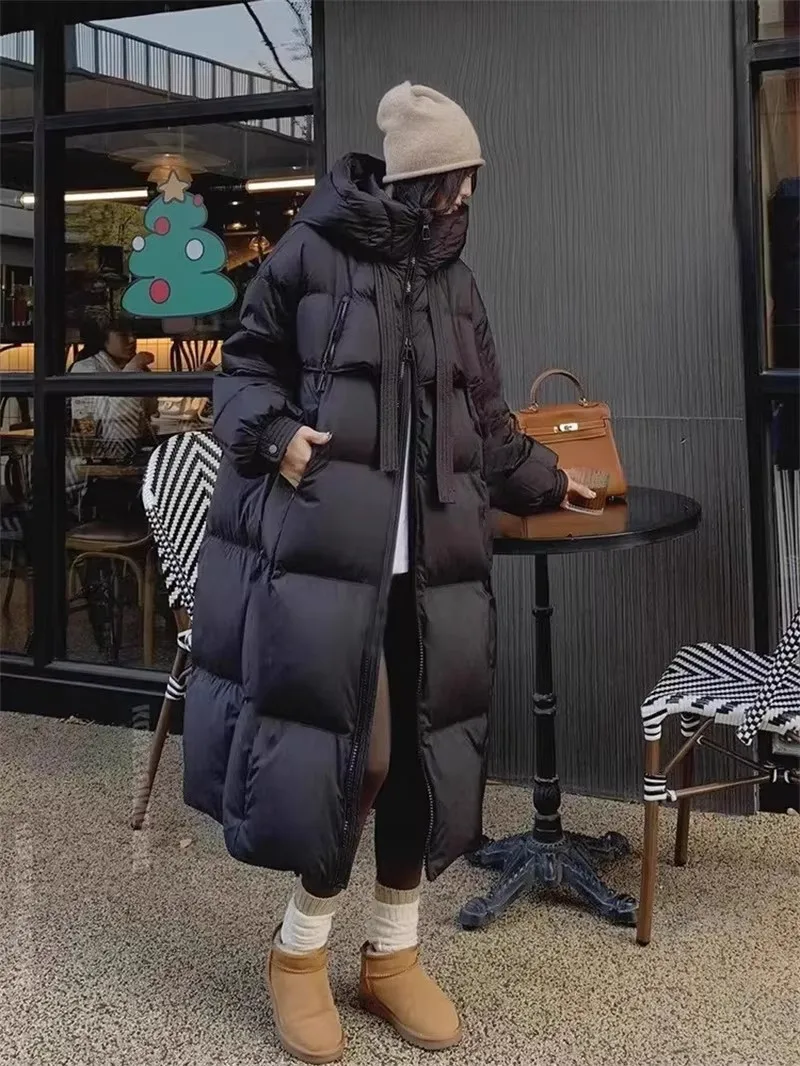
[
  {"x": 298, "y": 454},
  {"x": 574, "y": 487},
  {"x": 140, "y": 361}
]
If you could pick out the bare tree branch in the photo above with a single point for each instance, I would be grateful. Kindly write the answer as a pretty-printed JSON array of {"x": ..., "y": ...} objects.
[
  {"x": 292, "y": 81},
  {"x": 301, "y": 9}
]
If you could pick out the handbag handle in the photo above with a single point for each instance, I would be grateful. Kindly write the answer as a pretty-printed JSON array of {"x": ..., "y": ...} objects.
[{"x": 540, "y": 380}]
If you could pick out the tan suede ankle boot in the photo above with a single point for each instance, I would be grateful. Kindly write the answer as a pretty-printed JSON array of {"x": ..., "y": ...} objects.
[
  {"x": 306, "y": 1018},
  {"x": 396, "y": 988}
]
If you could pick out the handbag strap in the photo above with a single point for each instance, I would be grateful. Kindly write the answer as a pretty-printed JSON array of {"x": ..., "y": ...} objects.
[{"x": 540, "y": 380}]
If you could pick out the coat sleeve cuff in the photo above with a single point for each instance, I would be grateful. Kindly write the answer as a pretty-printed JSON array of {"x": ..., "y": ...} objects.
[
  {"x": 275, "y": 438},
  {"x": 559, "y": 490}
]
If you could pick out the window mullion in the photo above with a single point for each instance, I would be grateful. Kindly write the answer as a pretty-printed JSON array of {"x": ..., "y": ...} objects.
[{"x": 48, "y": 331}]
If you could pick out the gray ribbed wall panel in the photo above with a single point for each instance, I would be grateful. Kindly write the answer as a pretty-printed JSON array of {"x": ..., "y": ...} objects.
[{"x": 603, "y": 241}]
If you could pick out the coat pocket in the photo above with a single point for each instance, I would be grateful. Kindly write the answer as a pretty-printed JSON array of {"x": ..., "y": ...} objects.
[
  {"x": 473, "y": 411},
  {"x": 475, "y": 421},
  {"x": 333, "y": 339},
  {"x": 320, "y": 455}
]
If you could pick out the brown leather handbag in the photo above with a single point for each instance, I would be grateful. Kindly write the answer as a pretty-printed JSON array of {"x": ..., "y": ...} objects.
[{"x": 579, "y": 433}]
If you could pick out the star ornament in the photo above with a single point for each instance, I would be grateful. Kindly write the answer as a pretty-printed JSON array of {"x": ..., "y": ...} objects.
[{"x": 173, "y": 188}]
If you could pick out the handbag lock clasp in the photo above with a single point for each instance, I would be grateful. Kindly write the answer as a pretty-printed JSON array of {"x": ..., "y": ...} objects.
[{"x": 566, "y": 427}]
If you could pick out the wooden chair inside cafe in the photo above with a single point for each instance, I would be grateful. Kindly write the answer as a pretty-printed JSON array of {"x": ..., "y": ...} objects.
[
  {"x": 192, "y": 353},
  {"x": 106, "y": 549},
  {"x": 15, "y": 507}
]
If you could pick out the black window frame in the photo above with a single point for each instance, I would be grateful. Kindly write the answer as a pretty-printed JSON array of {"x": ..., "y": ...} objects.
[
  {"x": 753, "y": 58},
  {"x": 763, "y": 385},
  {"x": 43, "y": 679}
]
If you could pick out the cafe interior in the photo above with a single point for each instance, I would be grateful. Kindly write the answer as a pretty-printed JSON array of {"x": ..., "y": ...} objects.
[{"x": 253, "y": 175}]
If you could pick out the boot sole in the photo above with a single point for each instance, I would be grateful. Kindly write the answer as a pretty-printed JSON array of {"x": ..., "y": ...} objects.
[
  {"x": 306, "y": 1056},
  {"x": 374, "y": 1006}
]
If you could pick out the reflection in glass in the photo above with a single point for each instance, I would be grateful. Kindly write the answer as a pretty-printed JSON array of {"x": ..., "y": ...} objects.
[
  {"x": 16, "y": 74},
  {"x": 208, "y": 52},
  {"x": 16, "y": 258},
  {"x": 779, "y": 143},
  {"x": 16, "y": 570},
  {"x": 785, "y": 442},
  {"x": 785, "y": 434},
  {"x": 179, "y": 211},
  {"x": 778, "y": 18},
  {"x": 118, "y": 611}
]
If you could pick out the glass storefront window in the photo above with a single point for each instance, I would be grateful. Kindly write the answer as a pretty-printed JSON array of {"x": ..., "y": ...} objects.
[
  {"x": 779, "y": 141},
  {"x": 117, "y": 607},
  {"x": 778, "y": 18},
  {"x": 166, "y": 227},
  {"x": 785, "y": 449},
  {"x": 16, "y": 74},
  {"x": 16, "y": 564},
  {"x": 785, "y": 452},
  {"x": 16, "y": 257},
  {"x": 208, "y": 52}
]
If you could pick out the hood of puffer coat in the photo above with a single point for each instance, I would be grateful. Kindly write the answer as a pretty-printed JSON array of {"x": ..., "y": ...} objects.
[{"x": 352, "y": 210}]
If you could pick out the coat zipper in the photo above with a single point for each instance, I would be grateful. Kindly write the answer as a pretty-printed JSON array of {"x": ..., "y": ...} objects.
[
  {"x": 420, "y": 640},
  {"x": 333, "y": 340},
  {"x": 368, "y": 669},
  {"x": 365, "y": 685},
  {"x": 426, "y": 236}
]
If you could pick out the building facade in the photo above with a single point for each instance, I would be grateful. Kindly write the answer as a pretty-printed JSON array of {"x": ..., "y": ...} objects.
[{"x": 637, "y": 224}]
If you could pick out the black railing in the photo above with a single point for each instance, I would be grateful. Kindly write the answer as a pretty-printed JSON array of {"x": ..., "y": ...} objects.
[{"x": 110, "y": 54}]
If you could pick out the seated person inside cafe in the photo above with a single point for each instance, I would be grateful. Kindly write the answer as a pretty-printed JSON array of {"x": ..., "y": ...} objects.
[
  {"x": 108, "y": 430},
  {"x": 343, "y": 602}
]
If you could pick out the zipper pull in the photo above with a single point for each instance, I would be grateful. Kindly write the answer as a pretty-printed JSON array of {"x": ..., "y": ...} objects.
[
  {"x": 406, "y": 352},
  {"x": 410, "y": 273},
  {"x": 426, "y": 232}
]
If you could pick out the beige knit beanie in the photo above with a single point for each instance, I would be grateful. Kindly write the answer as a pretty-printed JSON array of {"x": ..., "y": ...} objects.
[{"x": 425, "y": 133}]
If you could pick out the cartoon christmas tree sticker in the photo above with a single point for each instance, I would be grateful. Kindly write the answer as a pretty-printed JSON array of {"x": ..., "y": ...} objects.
[{"x": 178, "y": 265}]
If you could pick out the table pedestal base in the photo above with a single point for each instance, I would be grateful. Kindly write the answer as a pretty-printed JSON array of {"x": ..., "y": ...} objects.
[{"x": 528, "y": 863}]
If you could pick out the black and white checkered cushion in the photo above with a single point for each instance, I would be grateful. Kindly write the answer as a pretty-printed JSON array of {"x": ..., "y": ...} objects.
[
  {"x": 735, "y": 686},
  {"x": 176, "y": 493}
]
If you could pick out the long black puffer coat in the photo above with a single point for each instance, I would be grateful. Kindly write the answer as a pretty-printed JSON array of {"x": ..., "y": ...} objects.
[{"x": 363, "y": 316}]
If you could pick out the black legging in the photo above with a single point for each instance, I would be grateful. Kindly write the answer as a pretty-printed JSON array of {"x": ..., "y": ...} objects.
[{"x": 394, "y": 783}]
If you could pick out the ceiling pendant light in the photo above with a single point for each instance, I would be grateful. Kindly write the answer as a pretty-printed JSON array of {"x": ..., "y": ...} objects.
[
  {"x": 279, "y": 184},
  {"x": 27, "y": 199}
]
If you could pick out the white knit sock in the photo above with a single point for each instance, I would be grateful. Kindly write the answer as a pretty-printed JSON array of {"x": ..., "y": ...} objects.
[
  {"x": 394, "y": 920},
  {"x": 307, "y": 922}
]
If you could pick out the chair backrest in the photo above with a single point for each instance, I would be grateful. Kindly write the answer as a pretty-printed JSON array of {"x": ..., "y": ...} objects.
[
  {"x": 15, "y": 512},
  {"x": 23, "y": 409},
  {"x": 17, "y": 476},
  {"x": 785, "y": 657},
  {"x": 189, "y": 353},
  {"x": 176, "y": 493}
]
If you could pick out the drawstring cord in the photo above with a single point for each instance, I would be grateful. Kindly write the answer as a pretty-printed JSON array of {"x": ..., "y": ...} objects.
[
  {"x": 438, "y": 303},
  {"x": 389, "y": 427}
]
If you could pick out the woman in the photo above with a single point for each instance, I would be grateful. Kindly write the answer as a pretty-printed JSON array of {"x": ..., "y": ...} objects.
[
  {"x": 111, "y": 428},
  {"x": 344, "y": 623},
  {"x": 108, "y": 349}
]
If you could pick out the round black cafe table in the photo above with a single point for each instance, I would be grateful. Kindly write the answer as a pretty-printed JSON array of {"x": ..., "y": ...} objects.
[{"x": 547, "y": 856}]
